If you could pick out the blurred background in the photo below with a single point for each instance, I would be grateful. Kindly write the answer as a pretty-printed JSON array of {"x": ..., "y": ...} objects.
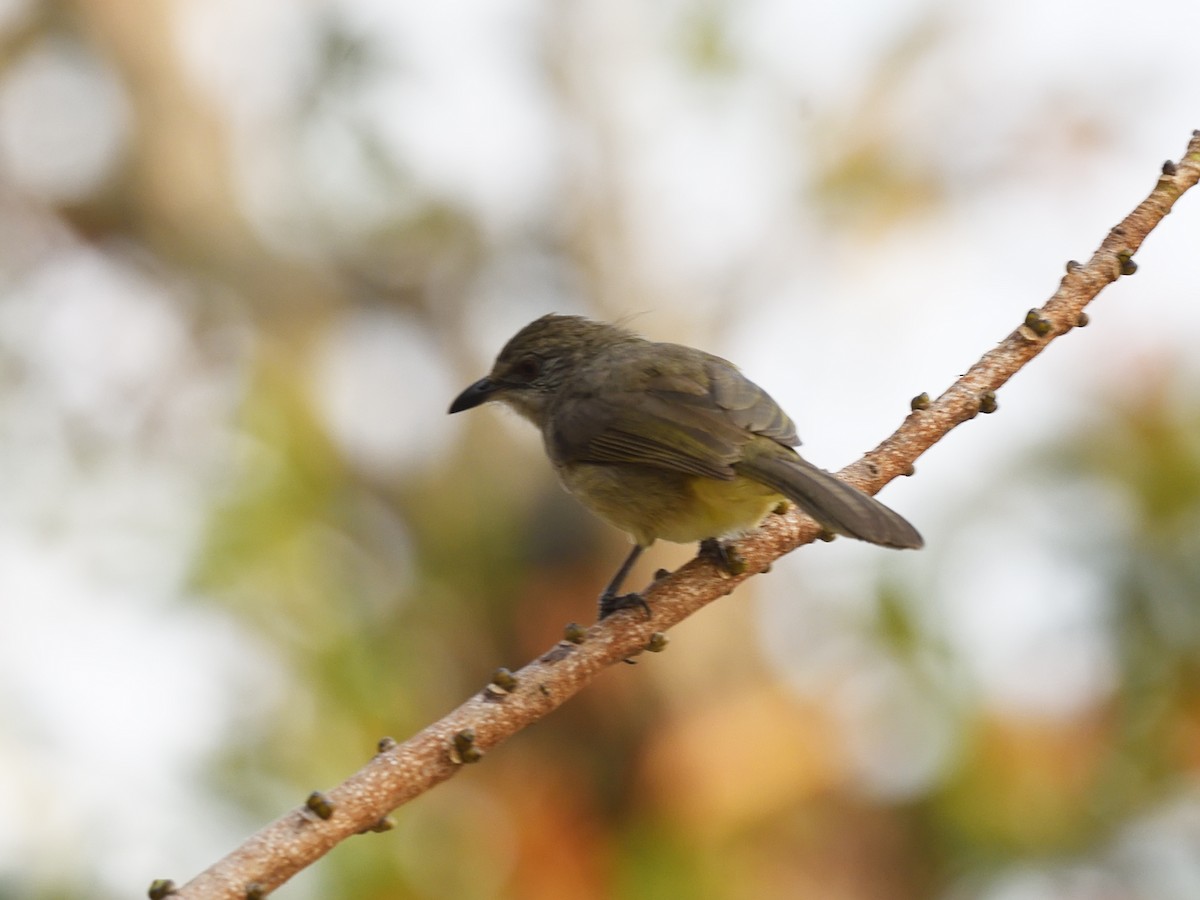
[{"x": 249, "y": 252}]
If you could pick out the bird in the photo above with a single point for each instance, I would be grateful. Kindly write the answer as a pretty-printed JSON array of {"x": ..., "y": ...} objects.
[{"x": 667, "y": 442}]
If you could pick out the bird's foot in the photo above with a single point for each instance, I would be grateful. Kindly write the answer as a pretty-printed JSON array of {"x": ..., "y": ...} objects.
[
  {"x": 610, "y": 603},
  {"x": 724, "y": 555}
]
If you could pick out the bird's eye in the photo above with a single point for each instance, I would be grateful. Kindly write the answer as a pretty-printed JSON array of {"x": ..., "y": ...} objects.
[{"x": 527, "y": 368}]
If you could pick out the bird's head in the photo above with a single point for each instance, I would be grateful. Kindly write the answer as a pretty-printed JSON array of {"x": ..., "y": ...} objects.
[{"x": 537, "y": 361}]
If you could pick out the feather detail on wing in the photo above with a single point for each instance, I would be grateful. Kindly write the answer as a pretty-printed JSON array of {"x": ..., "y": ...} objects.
[{"x": 692, "y": 416}]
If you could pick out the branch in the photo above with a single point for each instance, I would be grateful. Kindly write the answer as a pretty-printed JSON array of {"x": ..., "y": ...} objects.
[{"x": 400, "y": 772}]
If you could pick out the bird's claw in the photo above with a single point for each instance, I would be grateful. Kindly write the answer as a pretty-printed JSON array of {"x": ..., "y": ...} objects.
[
  {"x": 724, "y": 555},
  {"x": 610, "y": 604}
]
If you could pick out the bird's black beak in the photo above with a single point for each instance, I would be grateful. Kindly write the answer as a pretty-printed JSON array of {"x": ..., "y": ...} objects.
[{"x": 480, "y": 392}]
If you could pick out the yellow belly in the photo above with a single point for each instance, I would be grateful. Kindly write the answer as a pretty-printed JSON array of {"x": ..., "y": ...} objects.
[{"x": 651, "y": 504}]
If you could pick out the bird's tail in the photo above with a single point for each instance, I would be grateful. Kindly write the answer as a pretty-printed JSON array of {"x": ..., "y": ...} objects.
[{"x": 835, "y": 504}]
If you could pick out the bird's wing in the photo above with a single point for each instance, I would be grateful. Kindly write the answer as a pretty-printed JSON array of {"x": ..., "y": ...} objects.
[{"x": 680, "y": 411}]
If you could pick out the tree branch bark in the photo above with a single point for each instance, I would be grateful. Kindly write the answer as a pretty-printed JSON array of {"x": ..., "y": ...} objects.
[{"x": 400, "y": 772}]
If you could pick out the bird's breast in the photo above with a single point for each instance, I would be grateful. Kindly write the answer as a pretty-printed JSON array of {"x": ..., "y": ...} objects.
[{"x": 658, "y": 504}]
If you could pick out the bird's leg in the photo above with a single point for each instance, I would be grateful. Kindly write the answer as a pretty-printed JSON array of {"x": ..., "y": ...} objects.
[
  {"x": 724, "y": 555},
  {"x": 610, "y": 601}
]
